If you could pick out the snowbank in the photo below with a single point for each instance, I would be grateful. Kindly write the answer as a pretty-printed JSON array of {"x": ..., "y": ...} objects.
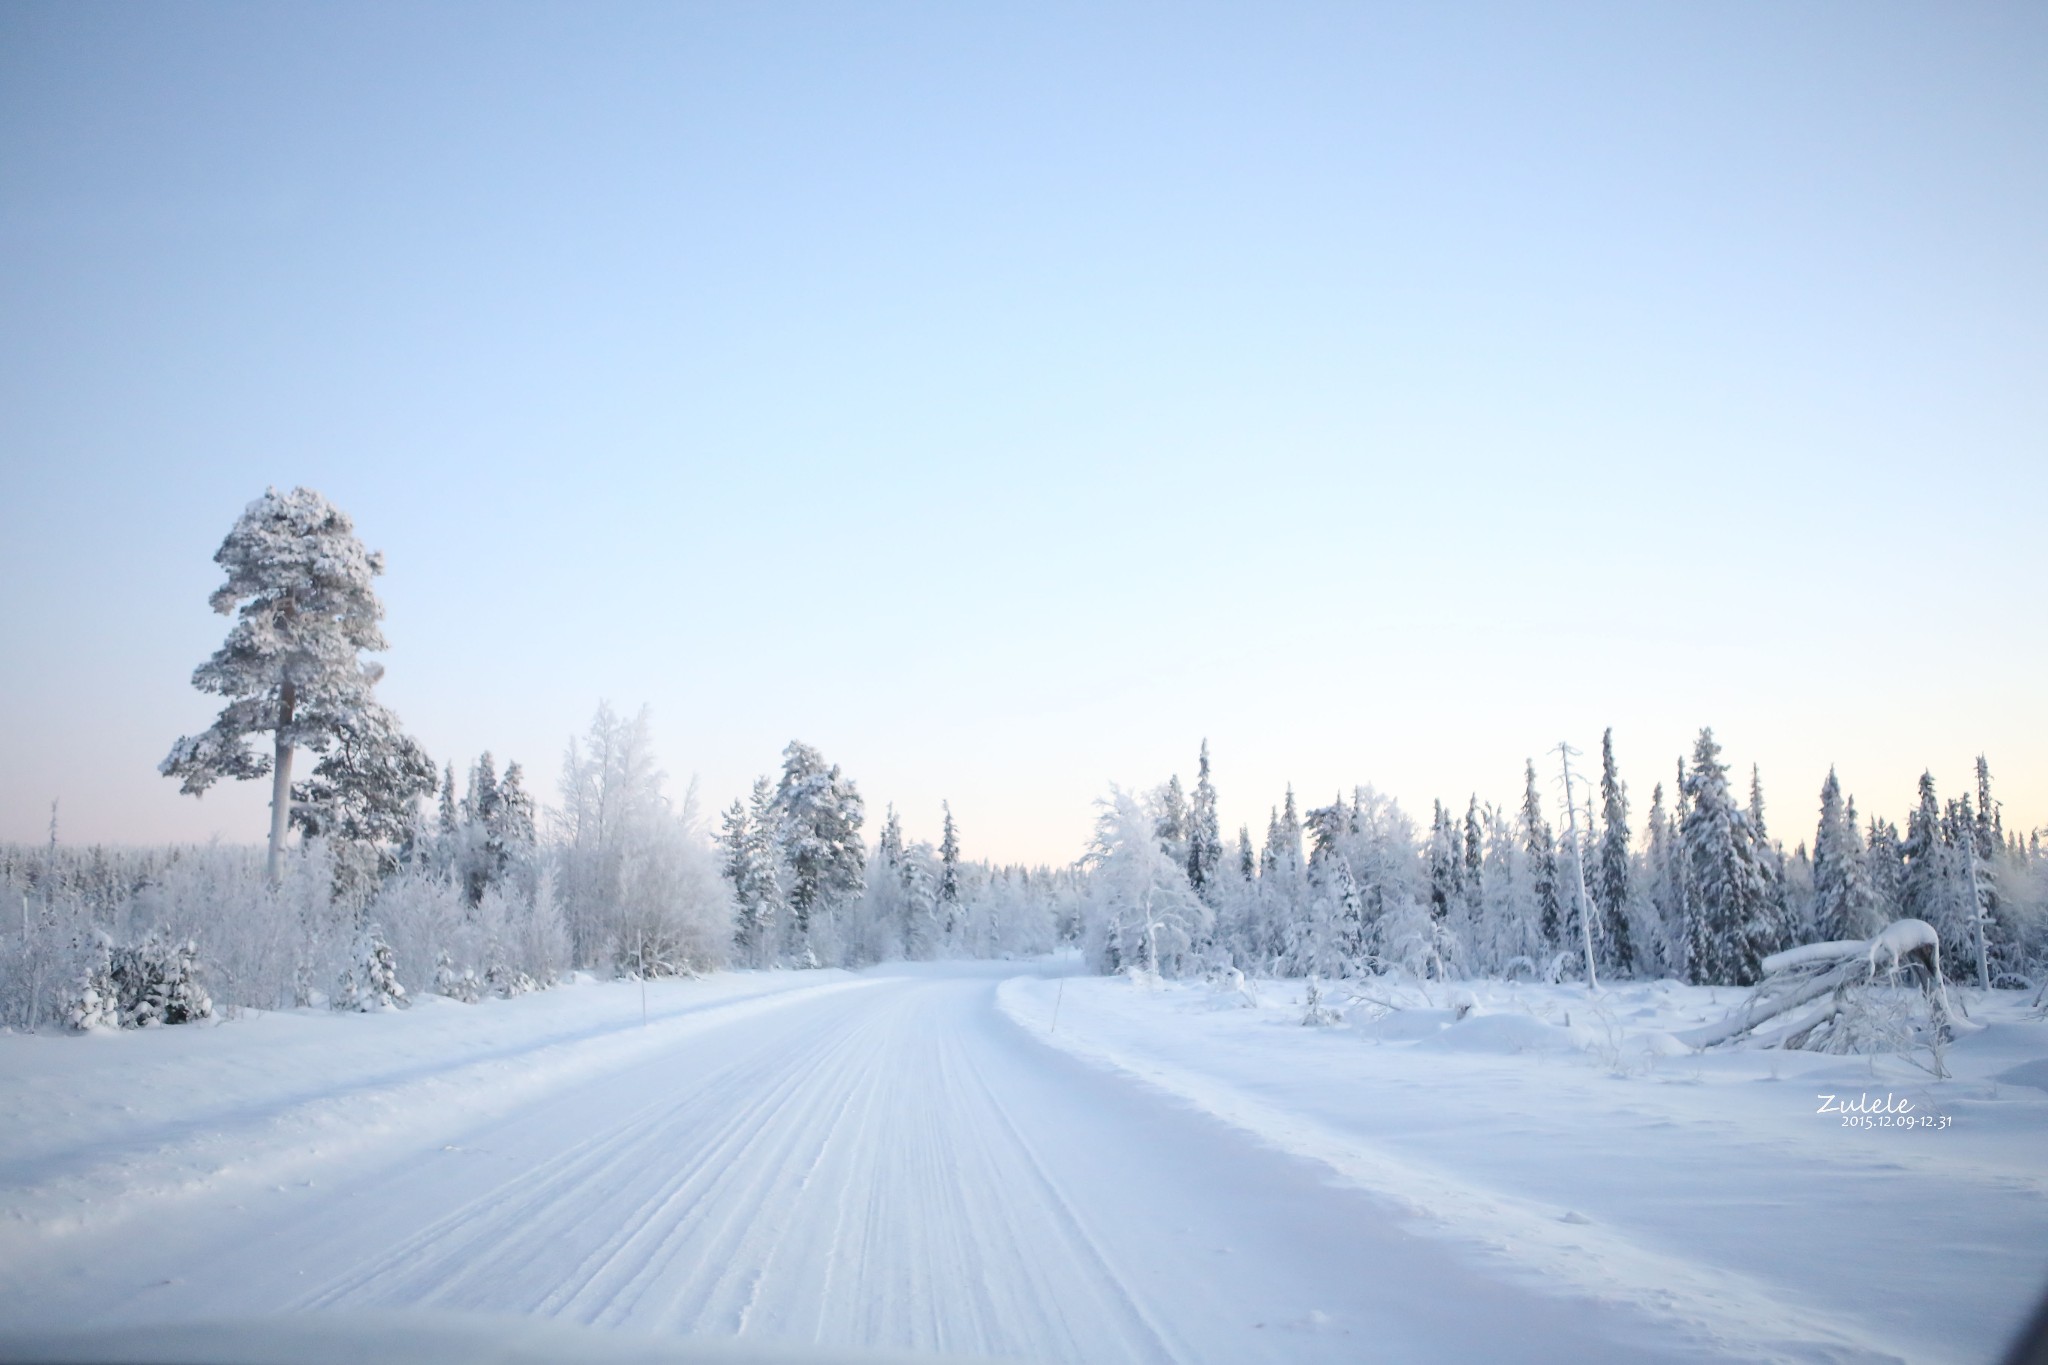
[{"x": 1572, "y": 1137}]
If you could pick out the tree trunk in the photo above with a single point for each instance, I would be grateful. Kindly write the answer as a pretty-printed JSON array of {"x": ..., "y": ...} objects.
[{"x": 281, "y": 786}]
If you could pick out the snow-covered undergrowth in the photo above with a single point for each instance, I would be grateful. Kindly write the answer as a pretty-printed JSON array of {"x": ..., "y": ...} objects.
[
  {"x": 1775, "y": 1204},
  {"x": 110, "y": 1127}
]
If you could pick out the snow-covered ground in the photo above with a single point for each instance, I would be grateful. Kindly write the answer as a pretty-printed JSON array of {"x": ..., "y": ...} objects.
[{"x": 916, "y": 1158}]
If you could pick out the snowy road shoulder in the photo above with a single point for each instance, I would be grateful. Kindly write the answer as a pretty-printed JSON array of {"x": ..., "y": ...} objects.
[{"x": 1726, "y": 1208}]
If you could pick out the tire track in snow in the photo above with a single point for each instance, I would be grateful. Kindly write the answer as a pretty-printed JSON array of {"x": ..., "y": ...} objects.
[
  {"x": 268, "y": 1147},
  {"x": 845, "y": 1176},
  {"x": 596, "y": 1197},
  {"x": 1056, "y": 1199}
]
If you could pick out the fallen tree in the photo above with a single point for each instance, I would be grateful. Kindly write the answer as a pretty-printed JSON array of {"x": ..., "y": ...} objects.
[{"x": 1881, "y": 994}]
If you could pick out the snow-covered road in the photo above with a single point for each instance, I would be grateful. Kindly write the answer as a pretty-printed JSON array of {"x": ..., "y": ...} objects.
[{"x": 889, "y": 1161}]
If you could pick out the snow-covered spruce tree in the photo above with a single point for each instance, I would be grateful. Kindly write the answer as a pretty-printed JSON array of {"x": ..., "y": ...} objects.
[
  {"x": 1725, "y": 887},
  {"x": 1393, "y": 887},
  {"x": 1235, "y": 888},
  {"x": 817, "y": 835},
  {"x": 1330, "y": 940},
  {"x": 1842, "y": 908},
  {"x": 949, "y": 875},
  {"x": 1614, "y": 879},
  {"x": 1340, "y": 914},
  {"x": 448, "y": 822},
  {"x": 1446, "y": 862},
  {"x": 1884, "y": 856},
  {"x": 1936, "y": 879},
  {"x": 290, "y": 667},
  {"x": 1170, "y": 804},
  {"x": 771, "y": 904},
  {"x": 1507, "y": 939},
  {"x": 1770, "y": 930},
  {"x": 750, "y": 868},
  {"x": 370, "y": 981},
  {"x": 1539, "y": 849},
  {"x": 1472, "y": 874},
  {"x": 157, "y": 981},
  {"x": 1664, "y": 917},
  {"x": 917, "y": 882},
  {"x": 495, "y": 843},
  {"x": 477, "y": 859},
  {"x": 94, "y": 1003},
  {"x": 1282, "y": 889},
  {"x": 1205, "y": 837}
]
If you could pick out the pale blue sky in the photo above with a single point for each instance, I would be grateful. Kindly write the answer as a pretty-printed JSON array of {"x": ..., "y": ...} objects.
[{"x": 1002, "y": 398}]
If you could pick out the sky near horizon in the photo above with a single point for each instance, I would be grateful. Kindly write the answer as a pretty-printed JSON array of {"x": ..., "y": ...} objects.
[{"x": 1005, "y": 398}]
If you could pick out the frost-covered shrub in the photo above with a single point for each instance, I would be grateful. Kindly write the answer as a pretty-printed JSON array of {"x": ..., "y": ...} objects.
[
  {"x": 1317, "y": 1012},
  {"x": 1411, "y": 940},
  {"x": 251, "y": 936},
  {"x": 456, "y": 984},
  {"x": 423, "y": 918}
]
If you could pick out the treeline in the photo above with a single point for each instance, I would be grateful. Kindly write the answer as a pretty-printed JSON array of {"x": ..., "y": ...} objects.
[
  {"x": 1702, "y": 892},
  {"x": 480, "y": 892},
  {"x": 807, "y": 892},
  {"x": 389, "y": 892}
]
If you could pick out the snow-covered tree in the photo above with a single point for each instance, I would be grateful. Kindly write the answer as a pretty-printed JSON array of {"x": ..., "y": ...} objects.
[
  {"x": 157, "y": 981},
  {"x": 917, "y": 876},
  {"x": 1169, "y": 804},
  {"x": 94, "y": 1004},
  {"x": 1884, "y": 855},
  {"x": 370, "y": 980},
  {"x": 291, "y": 666},
  {"x": 1843, "y": 908},
  {"x": 1770, "y": 930},
  {"x": 817, "y": 834},
  {"x": 1142, "y": 913},
  {"x": 1663, "y": 946},
  {"x": 749, "y": 852},
  {"x": 1927, "y": 882},
  {"x": 640, "y": 882},
  {"x": 1539, "y": 849},
  {"x": 1205, "y": 838},
  {"x": 494, "y": 842},
  {"x": 949, "y": 863},
  {"x": 1726, "y": 885},
  {"x": 363, "y": 795},
  {"x": 1472, "y": 855},
  {"x": 1614, "y": 878},
  {"x": 1446, "y": 855}
]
